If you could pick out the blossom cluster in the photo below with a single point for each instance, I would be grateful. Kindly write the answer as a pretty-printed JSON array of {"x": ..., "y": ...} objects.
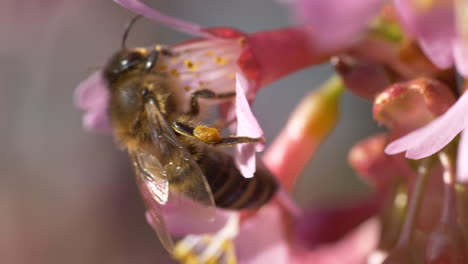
[{"x": 408, "y": 57}]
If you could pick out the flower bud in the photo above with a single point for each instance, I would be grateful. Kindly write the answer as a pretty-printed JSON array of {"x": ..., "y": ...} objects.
[{"x": 309, "y": 124}]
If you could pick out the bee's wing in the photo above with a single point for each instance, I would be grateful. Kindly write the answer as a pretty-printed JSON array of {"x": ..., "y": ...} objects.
[
  {"x": 180, "y": 169},
  {"x": 155, "y": 191}
]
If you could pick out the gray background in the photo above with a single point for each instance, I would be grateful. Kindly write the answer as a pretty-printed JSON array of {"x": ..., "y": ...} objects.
[{"x": 68, "y": 196}]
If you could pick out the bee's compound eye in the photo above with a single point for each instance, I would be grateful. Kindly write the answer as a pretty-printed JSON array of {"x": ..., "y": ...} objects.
[{"x": 132, "y": 59}]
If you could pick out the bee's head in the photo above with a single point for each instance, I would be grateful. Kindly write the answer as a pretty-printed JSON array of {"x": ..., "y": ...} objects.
[
  {"x": 126, "y": 60},
  {"x": 123, "y": 62}
]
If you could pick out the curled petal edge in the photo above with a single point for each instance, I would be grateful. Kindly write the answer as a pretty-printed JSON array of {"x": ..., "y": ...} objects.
[
  {"x": 431, "y": 138},
  {"x": 247, "y": 125}
]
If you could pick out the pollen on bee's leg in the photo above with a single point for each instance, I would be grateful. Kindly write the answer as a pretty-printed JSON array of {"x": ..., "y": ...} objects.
[{"x": 207, "y": 134}]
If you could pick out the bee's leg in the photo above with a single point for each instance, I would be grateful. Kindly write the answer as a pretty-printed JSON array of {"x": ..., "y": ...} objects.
[
  {"x": 233, "y": 140},
  {"x": 205, "y": 94},
  {"x": 152, "y": 60},
  {"x": 211, "y": 135},
  {"x": 154, "y": 55}
]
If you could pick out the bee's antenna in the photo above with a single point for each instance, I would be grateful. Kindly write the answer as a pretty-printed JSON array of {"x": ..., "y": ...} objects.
[{"x": 127, "y": 29}]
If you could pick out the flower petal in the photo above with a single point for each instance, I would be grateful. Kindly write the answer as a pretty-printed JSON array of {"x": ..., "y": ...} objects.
[
  {"x": 180, "y": 225},
  {"x": 406, "y": 106},
  {"x": 312, "y": 120},
  {"x": 431, "y": 138},
  {"x": 354, "y": 248},
  {"x": 97, "y": 120},
  {"x": 460, "y": 52},
  {"x": 433, "y": 26},
  {"x": 247, "y": 126},
  {"x": 462, "y": 158},
  {"x": 329, "y": 224},
  {"x": 368, "y": 159},
  {"x": 460, "y": 45},
  {"x": 262, "y": 239},
  {"x": 335, "y": 23},
  {"x": 153, "y": 14},
  {"x": 360, "y": 76},
  {"x": 91, "y": 92},
  {"x": 92, "y": 96}
]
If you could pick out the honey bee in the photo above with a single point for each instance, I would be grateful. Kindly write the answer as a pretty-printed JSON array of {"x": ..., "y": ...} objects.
[{"x": 169, "y": 150}]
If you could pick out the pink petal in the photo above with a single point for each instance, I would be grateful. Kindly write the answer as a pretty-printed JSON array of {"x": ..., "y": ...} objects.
[
  {"x": 261, "y": 61},
  {"x": 92, "y": 96},
  {"x": 460, "y": 45},
  {"x": 153, "y": 14},
  {"x": 180, "y": 225},
  {"x": 361, "y": 77},
  {"x": 335, "y": 23},
  {"x": 91, "y": 92},
  {"x": 329, "y": 224},
  {"x": 429, "y": 139},
  {"x": 406, "y": 106},
  {"x": 97, "y": 120},
  {"x": 433, "y": 26},
  {"x": 247, "y": 126},
  {"x": 460, "y": 52},
  {"x": 352, "y": 249},
  {"x": 309, "y": 124},
  {"x": 462, "y": 158},
  {"x": 368, "y": 159},
  {"x": 262, "y": 239}
]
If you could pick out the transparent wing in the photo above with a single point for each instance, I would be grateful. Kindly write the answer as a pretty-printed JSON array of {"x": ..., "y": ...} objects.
[
  {"x": 189, "y": 190},
  {"x": 155, "y": 191}
]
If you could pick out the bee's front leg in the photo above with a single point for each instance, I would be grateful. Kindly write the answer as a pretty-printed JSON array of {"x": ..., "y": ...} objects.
[
  {"x": 153, "y": 56},
  {"x": 205, "y": 94},
  {"x": 211, "y": 135}
]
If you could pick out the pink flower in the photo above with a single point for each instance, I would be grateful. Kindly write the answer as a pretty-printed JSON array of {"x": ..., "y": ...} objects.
[
  {"x": 405, "y": 106},
  {"x": 308, "y": 126},
  {"x": 341, "y": 234},
  {"x": 440, "y": 29},
  {"x": 439, "y": 26},
  {"x": 335, "y": 23},
  {"x": 223, "y": 60},
  {"x": 268, "y": 237},
  {"x": 443, "y": 35},
  {"x": 369, "y": 160},
  {"x": 433, "y": 137}
]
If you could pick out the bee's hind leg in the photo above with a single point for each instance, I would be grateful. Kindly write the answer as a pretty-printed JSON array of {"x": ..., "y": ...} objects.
[
  {"x": 205, "y": 94},
  {"x": 211, "y": 135}
]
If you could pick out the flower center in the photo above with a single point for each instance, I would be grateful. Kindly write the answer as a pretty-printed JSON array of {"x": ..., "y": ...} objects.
[{"x": 205, "y": 64}]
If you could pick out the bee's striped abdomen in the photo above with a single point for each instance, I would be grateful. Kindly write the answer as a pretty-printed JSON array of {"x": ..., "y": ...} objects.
[{"x": 230, "y": 189}]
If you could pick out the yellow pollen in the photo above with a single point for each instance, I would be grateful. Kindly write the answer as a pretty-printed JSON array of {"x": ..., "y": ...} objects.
[
  {"x": 209, "y": 53},
  {"x": 188, "y": 63},
  {"x": 191, "y": 65},
  {"x": 175, "y": 73},
  {"x": 163, "y": 67},
  {"x": 231, "y": 76},
  {"x": 187, "y": 88},
  {"x": 207, "y": 134},
  {"x": 221, "y": 61}
]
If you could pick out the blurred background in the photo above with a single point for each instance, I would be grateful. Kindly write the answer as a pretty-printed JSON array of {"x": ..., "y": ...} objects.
[{"x": 68, "y": 196}]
